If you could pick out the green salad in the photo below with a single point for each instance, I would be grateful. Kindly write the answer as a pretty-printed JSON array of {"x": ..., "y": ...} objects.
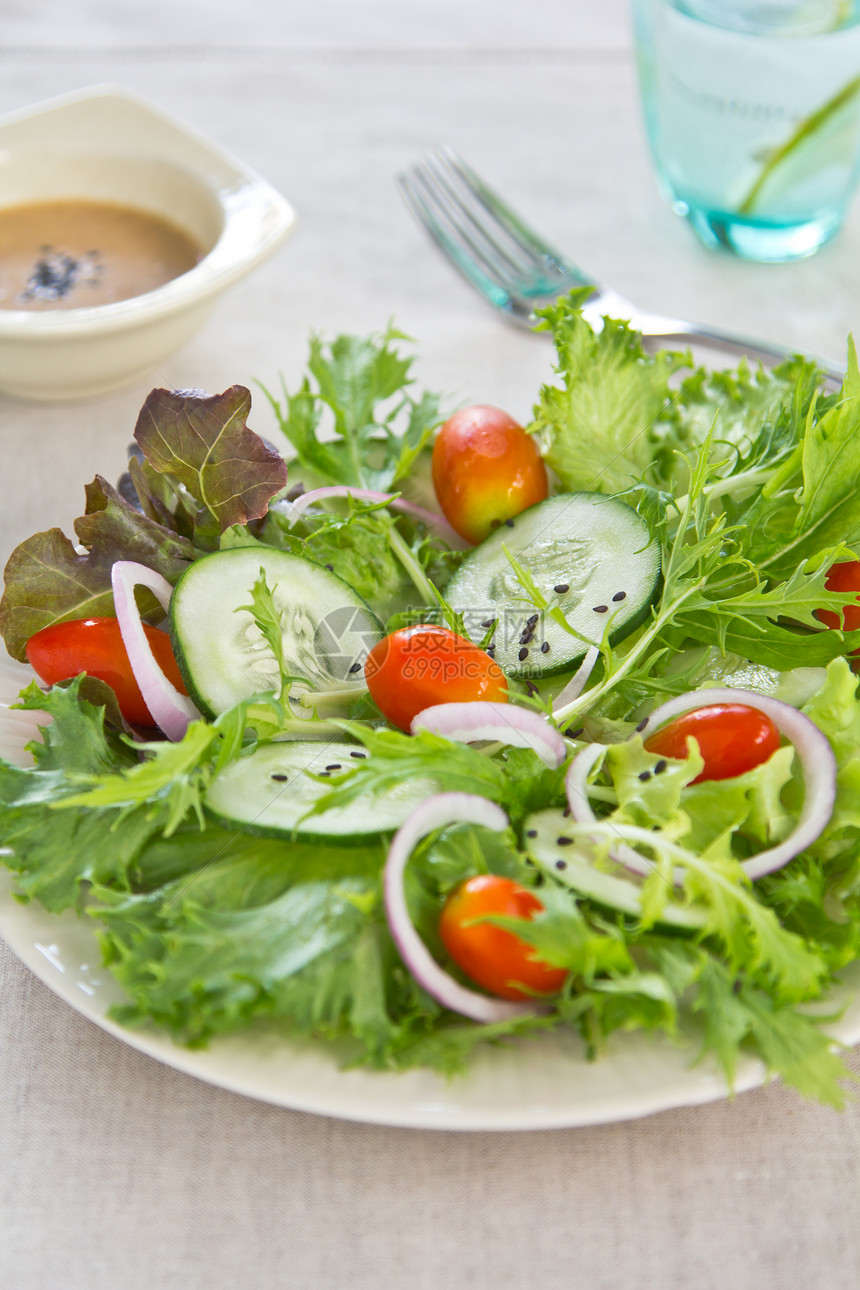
[{"x": 568, "y": 737}]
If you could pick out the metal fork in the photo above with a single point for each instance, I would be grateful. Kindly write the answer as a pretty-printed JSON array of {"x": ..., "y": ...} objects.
[{"x": 514, "y": 269}]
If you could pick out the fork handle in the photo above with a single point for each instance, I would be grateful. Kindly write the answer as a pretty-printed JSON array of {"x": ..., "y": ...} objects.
[{"x": 654, "y": 327}]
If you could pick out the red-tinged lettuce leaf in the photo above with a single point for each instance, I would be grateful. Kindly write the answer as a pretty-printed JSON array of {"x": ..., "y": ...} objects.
[
  {"x": 111, "y": 523},
  {"x": 49, "y": 581},
  {"x": 204, "y": 443}
]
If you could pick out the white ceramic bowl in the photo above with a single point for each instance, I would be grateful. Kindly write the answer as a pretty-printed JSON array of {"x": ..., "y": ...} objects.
[{"x": 105, "y": 144}]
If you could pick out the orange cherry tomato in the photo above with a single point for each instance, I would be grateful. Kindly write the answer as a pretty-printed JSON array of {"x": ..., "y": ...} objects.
[
  {"x": 417, "y": 667},
  {"x": 732, "y": 739},
  {"x": 486, "y": 469},
  {"x": 95, "y": 646},
  {"x": 492, "y": 956},
  {"x": 843, "y": 577}
]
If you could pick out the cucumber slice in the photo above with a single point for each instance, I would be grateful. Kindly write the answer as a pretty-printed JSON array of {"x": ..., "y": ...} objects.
[
  {"x": 327, "y": 630},
  {"x": 590, "y": 556},
  {"x": 268, "y": 793},
  {"x": 572, "y": 866}
]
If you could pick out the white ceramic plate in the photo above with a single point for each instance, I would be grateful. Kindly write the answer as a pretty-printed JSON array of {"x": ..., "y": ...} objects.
[{"x": 541, "y": 1083}]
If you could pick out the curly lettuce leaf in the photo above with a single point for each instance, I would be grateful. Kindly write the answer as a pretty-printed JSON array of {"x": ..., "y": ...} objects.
[
  {"x": 267, "y": 934},
  {"x": 55, "y": 855},
  {"x": 599, "y": 428}
]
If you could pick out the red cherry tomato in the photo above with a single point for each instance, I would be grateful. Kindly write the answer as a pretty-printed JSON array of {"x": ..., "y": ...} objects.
[
  {"x": 95, "y": 646},
  {"x": 732, "y": 738},
  {"x": 417, "y": 667},
  {"x": 486, "y": 469},
  {"x": 492, "y": 956},
  {"x": 843, "y": 577}
]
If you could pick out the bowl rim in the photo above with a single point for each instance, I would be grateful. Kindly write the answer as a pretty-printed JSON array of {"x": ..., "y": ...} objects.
[{"x": 266, "y": 215}]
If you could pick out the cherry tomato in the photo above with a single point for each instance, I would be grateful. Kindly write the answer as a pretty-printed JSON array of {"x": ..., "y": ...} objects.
[
  {"x": 843, "y": 577},
  {"x": 95, "y": 646},
  {"x": 732, "y": 738},
  {"x": 486, "y": 469},
  {"x": 492, "y": 956},
  {"x": 419, "y": 666}
]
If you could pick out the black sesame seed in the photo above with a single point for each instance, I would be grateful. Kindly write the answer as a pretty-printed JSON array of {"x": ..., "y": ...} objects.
[
  {"x": 324, "y": 774},
  {"x": 531, "y": 688},
  {"x": 523, "y": 654},
  {"x": 600, "y": 609},
  {"x": 574, "y": 734},
  {"x": 620, "y": 595},
  {"x": 509, "y": 523},
  {"x": 488, "y": 622},
  {"x": 526, "y": 637},
  {"x": 660, "y": 766},
  {"x": 642, "y": 724},
  {"x": 282, "y": 779},
  {"x": 491, "y": 651},
  {"x": 335, "y": 765},
  {"x": 566, "y": 812},
  {"x": 330, "y": 568},
  {"x": 358, "y": 754},
  {"x": 356, "y": 667},
  {"x": 561, "y": 864},
  {"x": 544, "y": 649},
  {"x": 564, "y": 842},
  {"x": 644, "y": 774},
  {"x": 530, "y": 622},
  {"x": 531, "y": 833},
  {"x": 562, "y": 587}
]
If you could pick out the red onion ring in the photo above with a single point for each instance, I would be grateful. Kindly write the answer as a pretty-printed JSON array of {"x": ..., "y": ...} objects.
[
  {"x": 435, "y": 813},
  {"x": 814, "y": 753},
  {"x": 171, "y": 710},
  {"x": 304, "y": 500},
  {"x": 519, "y": 727},
  {"x": 579, "y": 680}
]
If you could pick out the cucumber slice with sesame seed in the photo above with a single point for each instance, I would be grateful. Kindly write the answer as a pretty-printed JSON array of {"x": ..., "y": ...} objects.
[
  {"x": 327, "y": 629},
  {"x": 271, "y": 791},
  {"x": 552, "y": 850},
  {"x": 590, "y": 556}
]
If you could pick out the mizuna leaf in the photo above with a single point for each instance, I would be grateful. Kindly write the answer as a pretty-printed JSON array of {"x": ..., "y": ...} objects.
[{"x": 204, "y": 442}]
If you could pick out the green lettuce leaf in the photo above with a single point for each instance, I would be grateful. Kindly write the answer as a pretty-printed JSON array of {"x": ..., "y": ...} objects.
[
  {"x": 599, "y": 429},
  {"x": 55, "y": 855},
  {"x": 357, "y": 388}
]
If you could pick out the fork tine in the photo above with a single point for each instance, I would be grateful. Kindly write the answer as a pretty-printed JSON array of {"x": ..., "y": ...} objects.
[
  {"x": 479, "y": 226},
  {"x": 520, "y": 233},
  {"x": 475, "y": 237},
  {"x": 461, "y": 254}
]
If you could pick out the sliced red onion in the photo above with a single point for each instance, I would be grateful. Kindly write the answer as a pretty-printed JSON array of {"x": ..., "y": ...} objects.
[
  {"x": 814, "y": 753},
  {"x": 171, "y": 710},
  {"x": 579, "y": 680},
  {"x": 300, "y": 504},
  {"x": 435, "y": 813},
  {"x": 466, "y": 723}
]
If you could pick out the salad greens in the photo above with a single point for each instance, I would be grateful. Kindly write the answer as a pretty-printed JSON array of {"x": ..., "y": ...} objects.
[{"x": 748, "y": 478}]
